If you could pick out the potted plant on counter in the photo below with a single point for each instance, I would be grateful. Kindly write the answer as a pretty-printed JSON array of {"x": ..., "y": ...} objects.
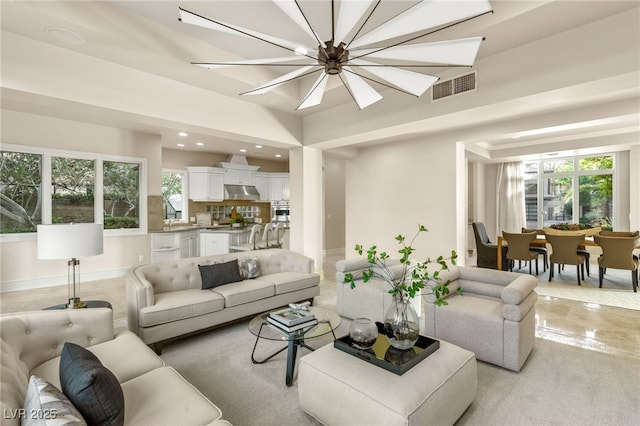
[
  {"x": 237, "y": 221},
  {"x": 406, "y": 279}
]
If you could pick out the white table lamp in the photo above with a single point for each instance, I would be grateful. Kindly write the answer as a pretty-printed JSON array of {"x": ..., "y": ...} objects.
[{"x": 70, "y": 241}]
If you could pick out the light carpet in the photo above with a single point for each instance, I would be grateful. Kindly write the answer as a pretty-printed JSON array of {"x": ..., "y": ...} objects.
[
  {"x": 559, "y": 384},
  {"x": 616, "y": 288}
]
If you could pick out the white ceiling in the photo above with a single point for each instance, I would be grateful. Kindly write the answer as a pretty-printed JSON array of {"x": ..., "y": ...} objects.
[{"x": 147, "y": 36}]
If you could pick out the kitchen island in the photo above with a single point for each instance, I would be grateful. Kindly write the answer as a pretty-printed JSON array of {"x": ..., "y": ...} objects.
[{"x": 175, "y": 242}]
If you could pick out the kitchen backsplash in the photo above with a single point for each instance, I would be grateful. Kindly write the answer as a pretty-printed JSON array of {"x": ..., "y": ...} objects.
[{"x": 221, "y": 211}]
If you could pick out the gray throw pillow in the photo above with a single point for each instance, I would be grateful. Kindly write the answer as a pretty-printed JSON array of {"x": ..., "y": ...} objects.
[
  {"x": 46, "y": 405},
  {"x": 219, "y": 274},
  {"x": 90, "y": 386},
  {"x": 249, "y": 268}
]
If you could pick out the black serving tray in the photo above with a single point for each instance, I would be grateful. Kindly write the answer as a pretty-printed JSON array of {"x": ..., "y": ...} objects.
[{"x": 386, "y": 356}]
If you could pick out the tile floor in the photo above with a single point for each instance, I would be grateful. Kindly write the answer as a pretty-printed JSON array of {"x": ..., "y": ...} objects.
[{"x": 590, "y": 325}]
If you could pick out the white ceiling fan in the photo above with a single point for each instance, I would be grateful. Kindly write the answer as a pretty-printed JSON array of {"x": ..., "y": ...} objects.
[{"x": 379, "y": 55}]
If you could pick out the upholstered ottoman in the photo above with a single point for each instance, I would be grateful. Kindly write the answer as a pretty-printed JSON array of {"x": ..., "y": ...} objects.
[{"x": 337, "y": 388}]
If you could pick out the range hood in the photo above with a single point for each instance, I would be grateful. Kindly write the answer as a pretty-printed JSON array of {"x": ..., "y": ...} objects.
[{"x": 241, "y": 192}]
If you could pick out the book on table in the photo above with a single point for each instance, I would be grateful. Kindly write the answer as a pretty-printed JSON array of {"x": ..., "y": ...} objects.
[
  {"x": 290, "y": 317},
  {"x": 290, "y": 329}
]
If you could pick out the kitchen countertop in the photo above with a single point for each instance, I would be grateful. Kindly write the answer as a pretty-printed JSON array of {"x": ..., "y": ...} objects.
[{"x": 212, "y": 228}]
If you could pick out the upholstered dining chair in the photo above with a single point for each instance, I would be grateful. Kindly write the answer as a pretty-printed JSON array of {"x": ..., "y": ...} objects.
[
  {"x": 539, "y": 246},
  {"x": 487, "y": 251},
  {"x": 619, "y": 234},
  {"x": 617, "y": 253},
  {"x": 520, "y": 248},
  {"x": 564, "y": 251},
  {"x": 251, "y": 244}
]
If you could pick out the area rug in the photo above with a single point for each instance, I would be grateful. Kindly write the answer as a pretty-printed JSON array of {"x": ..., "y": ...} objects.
[
  {"x": 558, "y": 385},
  {"x": 616, "y": 288}
]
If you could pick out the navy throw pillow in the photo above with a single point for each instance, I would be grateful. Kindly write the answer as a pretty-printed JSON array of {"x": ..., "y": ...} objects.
[{"x": 90, "y": 386}]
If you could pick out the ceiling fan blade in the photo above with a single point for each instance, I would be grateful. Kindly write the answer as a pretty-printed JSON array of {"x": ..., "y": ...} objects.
[
  {"x": 201, "y": 21},
  {"x": 291, "y": 8},
  {"x": 363, "y": 94},
  {"x": 408, "y": 81},
  {"x": 265, "y": 61},
  {"x": 453, "y": 52},
  {"x": 424, "y": 15},
  {"x": 260, "y": 90},
  {"x": 349, "y": 14},
  {"x": 314, "y": 96}
]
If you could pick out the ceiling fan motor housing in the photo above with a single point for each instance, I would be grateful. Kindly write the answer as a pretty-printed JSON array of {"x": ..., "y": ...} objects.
[{"x": 333, "y": 57}]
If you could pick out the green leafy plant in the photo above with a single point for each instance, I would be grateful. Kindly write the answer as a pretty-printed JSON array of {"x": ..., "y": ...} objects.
[{"x": 415, "y": 275}]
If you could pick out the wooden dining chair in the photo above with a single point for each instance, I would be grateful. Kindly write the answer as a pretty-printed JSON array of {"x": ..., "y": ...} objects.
[
  {"x": 564, "y": 251},
  {"x": 617, "y": 253},
  {"x": 520, "y": 248}
]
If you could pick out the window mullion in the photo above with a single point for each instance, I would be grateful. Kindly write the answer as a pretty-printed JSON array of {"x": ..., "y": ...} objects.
[
  {"x": 98, "y": 200},
  {"x": 45, "y": 178}
]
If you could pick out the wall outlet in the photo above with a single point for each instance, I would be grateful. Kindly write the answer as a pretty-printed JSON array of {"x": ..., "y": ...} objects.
[{"x": 141, "y": 258}]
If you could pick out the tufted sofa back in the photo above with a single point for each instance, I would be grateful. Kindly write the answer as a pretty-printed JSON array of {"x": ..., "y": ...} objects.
[{"x": 29, "y": 339}]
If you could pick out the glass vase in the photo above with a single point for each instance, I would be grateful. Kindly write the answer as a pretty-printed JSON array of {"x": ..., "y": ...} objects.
[
  {"x": 363, "y": 333},
  {"x": 401, "y": 323}
]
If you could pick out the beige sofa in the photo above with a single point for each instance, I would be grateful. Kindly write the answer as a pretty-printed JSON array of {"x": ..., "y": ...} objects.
[
  {"x": 166, "y": 300},
  {"x": 494, "y": 318},
  {"x": 153, "y": 393}
]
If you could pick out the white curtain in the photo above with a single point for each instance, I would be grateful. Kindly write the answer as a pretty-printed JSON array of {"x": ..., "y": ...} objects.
[{"x": 510, "y": 198}]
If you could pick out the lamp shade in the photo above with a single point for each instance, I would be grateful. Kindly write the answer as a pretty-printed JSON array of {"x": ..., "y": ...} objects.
[{"x": 69, "y": 240}]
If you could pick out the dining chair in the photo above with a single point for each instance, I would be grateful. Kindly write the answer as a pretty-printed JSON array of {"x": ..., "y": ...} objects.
[
  {"x": 487, "y": 251},
  {"x": 619, "y": 233},
  {"x": 539, "y": 246},
  {"x": 564, "y": 251},
  {"x": 617, "y": 253},
  {"x": 520, "y": 248}
]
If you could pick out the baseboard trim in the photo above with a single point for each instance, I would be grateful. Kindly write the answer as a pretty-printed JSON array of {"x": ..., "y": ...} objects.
[{"x": 59, "y": 280}]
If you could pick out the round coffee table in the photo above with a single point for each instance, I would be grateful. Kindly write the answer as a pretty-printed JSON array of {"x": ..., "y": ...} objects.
[{"x": 328, "y": 321}]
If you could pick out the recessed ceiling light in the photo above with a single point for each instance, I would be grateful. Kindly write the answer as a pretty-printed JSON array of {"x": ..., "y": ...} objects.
[
  {"x": 65, "y": 36},
  {"x": 180, "y": 144},
  {"x": 183, "y": 134},
  {"x": 258, "y": 146},
  {"x": 243, "y": 150},
  {"x": 278, "y": 155},
  {"x": 199, "y": 143}
]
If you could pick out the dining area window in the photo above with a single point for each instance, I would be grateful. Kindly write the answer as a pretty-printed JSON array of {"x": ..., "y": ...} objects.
[{"x": 577, "y": 190}]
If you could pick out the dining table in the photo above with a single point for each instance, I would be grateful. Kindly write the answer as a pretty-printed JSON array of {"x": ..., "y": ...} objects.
[{"x": 541, "y": 240}]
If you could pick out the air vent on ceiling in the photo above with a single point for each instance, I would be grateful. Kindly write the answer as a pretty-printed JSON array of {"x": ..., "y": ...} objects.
[{"x": 454, "y": 86}]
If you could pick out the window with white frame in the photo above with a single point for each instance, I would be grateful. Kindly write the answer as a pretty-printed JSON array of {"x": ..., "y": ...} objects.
[
  {"x": 41, "y": 186},
  {"x": 174, "y": 195},
  {"x": 554, "y": 186}
]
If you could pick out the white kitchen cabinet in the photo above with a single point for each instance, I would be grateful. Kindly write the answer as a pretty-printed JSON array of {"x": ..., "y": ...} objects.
[
  {"x": 189, "y": 244},
  {"x": 262, "y": 182},
  {"x": 279, "y": 186},
  {"x": 206, "y": 183},
  {"x": 213, "y": 243},
  {"x": 239, "y": 177}
]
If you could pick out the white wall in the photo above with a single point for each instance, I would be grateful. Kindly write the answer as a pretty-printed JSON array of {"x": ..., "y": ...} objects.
[
  {"x": 20, "y": 268},
  {"x": 392, "y": 188}
]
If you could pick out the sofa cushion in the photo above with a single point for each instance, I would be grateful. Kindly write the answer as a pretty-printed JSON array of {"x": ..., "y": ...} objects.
[
  {"x": 177, "y": 305},
  {"x": 245, "y": 291},
  {"x": 90, "y": 386},
  {"x": 163, "y": 397},
  {"x": 126, "y": 356},
  {"x": 45, "y": 404},
  {"x": 219, "y": 274},
  {"x": 249, "y": 267},
  {"x": 286, "y": 282}
]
